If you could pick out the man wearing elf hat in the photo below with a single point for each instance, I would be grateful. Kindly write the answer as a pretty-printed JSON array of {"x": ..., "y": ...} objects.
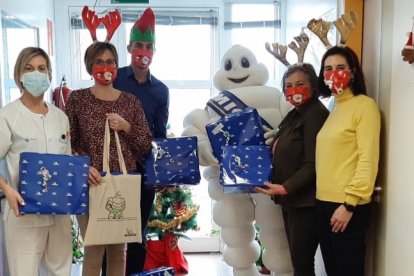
[{"x": 154, "y": 96}]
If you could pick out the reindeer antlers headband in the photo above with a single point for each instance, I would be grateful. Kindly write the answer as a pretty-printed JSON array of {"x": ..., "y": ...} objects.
[
  {"x": 111, "y": 21},
  {"x": 298, "y": 46},
  {"x": 345, "y": 24}
]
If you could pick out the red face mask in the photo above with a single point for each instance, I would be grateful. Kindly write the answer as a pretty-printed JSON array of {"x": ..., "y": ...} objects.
[
  {"x": 297, "y": 95},
  {"x": 104, "y": 74},
  {"x": 142, "y": 58},
  {"x": 337, "y": 81}
]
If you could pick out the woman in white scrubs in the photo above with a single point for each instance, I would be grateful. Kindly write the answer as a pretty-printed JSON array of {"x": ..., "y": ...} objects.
[{"x": 29, "y": 124}]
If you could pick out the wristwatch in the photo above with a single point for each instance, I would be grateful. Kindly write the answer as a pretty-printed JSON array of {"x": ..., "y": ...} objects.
[{"x": 348, "y": 207}]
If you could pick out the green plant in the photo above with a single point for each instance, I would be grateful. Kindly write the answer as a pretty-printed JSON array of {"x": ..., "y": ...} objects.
[{"x": 77, "y": 243}]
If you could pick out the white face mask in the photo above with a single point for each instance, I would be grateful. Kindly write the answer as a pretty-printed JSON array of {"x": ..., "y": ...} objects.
[{"x": 36, "y": 83}]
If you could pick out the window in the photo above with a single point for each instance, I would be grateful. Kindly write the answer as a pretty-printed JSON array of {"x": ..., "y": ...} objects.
[
  {"x": 251, "y": 25},
  {"x": 16, "y": 35},
  {"x": 184, "y": 60},
  {"x": 186, "y": 40},
  {"x": 84, "y": 40}
]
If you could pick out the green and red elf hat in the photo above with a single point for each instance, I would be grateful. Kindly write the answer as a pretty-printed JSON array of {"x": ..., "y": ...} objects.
[{"x": 144, "y": 28}]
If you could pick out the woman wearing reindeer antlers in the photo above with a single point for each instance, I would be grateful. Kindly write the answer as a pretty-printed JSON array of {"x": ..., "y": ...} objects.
[
  {"x": 347, "y": 152},
  {"x": 88, "y": 109},
  {"x": 293, "y": 177}
]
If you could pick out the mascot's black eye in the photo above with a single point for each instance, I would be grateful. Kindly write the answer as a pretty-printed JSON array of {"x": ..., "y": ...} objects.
[
  {"x": 245, "y": 63},
  {"x": 228, "y": 65}
]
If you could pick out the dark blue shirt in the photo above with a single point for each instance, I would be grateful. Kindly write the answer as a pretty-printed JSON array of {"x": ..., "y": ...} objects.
[{"x": 154, "y": 97}]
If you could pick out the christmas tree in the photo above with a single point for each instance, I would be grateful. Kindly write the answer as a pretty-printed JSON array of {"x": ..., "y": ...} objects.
[{"x": 173, "y": 212}]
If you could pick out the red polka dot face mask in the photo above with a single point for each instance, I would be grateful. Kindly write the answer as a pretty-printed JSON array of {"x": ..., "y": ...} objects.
[
  {"x": 297, "y": 95},
  {"x": 142, "y": 58},
  {"x": 337, "y": 80},
  {"x": 104, "y": 74}
]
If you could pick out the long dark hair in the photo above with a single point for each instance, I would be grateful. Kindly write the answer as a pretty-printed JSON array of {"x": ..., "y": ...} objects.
[{"x": 357, "y": 84}]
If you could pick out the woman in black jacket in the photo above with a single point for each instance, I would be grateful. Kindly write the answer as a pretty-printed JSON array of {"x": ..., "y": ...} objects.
[{"x": 293, "y": 179}]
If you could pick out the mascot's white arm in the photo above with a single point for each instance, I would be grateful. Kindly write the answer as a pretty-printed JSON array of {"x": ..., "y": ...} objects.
[{"x": 195, "y": 125}]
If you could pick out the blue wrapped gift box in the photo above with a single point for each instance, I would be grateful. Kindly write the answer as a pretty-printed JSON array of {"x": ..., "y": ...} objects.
[
  {"x": 54, "y": 183},
  {"x": 172, "y": 161},
  {"x": 239, "y": 128},
  {"x": 244, "y": 167},
  {"x": 160, "y": 271}
]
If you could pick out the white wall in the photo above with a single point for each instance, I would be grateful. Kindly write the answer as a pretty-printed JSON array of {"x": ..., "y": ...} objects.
[
  {"x": 62, "y": 18},
  {"x": 298, "y": 13},
  {"x": 390, "y": 81},
  {"x": 34, "y": 14},
  {"x": 399, "y": 254},
  {"x": 371, "y": 63}
]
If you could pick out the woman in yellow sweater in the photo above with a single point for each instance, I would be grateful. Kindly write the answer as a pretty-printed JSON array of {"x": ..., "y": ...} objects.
[{"x": 347, "y": 152}]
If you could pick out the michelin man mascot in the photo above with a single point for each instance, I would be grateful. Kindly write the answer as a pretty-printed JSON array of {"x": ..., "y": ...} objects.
[{"x": 241, "y": 75}]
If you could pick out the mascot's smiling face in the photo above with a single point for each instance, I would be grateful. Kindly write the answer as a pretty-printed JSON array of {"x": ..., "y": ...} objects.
[{"x": 239, "y": 68}]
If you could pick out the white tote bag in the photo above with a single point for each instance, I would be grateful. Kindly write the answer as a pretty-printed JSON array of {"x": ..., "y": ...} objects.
[{"x": 114, "y": 206}]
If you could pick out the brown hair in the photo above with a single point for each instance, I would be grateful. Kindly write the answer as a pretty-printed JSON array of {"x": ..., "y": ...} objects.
[
  {"x": 95, "y": 50},
  {"x": 308, "y": 70},
  {"x": 25, "y": 56}
]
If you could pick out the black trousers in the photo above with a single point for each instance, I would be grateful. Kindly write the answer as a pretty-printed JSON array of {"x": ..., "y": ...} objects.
[
  {"x": 300, "y": 227},
  {"x": 136, "y": 252},
  {"x": 343, "y": 253}
]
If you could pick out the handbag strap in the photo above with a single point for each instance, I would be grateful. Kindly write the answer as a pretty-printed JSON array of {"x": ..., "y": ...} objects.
[{"x": 107, "y": 142}]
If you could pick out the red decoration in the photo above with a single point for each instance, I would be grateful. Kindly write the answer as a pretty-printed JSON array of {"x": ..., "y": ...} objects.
[
  {"x": 166, "y": 253},
  {"x": 409, "y": 44},
  {"x": 179, "y": 208},
  {"x": 61, "y": 94},
  {"x": 408, "y": 50},
  {"x": 111, "y": 21},
  {"x": 91, "y": 20},
  {"x": 49, "y": 37},
  {"x": 147, "y": 20}
]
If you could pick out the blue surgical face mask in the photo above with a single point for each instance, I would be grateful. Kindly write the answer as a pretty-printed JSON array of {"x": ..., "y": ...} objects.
[{"x": 36, "y": 83}]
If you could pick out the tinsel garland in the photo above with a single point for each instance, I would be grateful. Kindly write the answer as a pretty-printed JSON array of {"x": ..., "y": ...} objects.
[
  {"x": 173, "y": 211},
  {"x": 175, "y": 223}
]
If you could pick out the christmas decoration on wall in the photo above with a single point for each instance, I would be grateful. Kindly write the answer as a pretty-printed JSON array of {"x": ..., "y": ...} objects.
[
  {"x": 174, "y": 213},
  {"x": 408, "y": 50}
]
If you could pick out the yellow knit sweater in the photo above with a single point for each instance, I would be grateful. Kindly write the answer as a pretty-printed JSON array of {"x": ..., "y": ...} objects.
[{"x": 347, "y": 151}]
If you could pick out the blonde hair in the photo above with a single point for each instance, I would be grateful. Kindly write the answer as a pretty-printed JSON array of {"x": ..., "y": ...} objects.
[{"x": 25, "y": 56}]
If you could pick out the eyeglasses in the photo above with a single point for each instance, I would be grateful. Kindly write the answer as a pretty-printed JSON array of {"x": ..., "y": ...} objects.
[{"x": 109, "y": 62}]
